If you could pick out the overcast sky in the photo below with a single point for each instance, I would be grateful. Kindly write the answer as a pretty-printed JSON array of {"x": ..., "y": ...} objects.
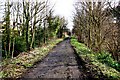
[{"x": 64, "y": 8}]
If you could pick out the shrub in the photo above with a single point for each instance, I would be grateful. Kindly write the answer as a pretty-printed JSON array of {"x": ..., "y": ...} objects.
[
  {"x": 106, "y": 58},
  {"x": 20, "y": 44}
]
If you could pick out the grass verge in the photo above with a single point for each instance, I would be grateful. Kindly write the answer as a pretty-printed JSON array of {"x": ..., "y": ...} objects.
[
  {"x": 94, "y": 66},
  {"x": 14, "y": 68}
]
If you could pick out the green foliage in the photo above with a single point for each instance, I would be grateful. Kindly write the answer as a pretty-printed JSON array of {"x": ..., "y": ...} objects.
[
  {"x": 2, "y": 74},
  {"x": 20, "y": 44},
  {"x": 103, "y": 61},
  {"x": 73, "y": 37},
  {"x": 25, "y": 35},
  {"x": 81, "y": 48},
  {"x": 39, "y": 36},
  {"x": 106, "y": 58},
  {"x": 13, "y": 68}
]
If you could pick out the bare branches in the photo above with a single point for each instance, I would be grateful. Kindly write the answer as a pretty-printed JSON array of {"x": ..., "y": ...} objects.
[{"x": 93, "y": 25}]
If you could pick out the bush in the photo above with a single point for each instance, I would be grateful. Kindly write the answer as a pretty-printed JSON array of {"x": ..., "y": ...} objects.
[
  {"x": 20, "y": 44},
  {"x": 106, "y": 58}
]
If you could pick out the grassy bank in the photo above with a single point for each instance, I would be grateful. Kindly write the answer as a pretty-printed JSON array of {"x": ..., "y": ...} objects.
[
  {"x": 98, "y": 65},
  {"x": 13, "y": 68}
]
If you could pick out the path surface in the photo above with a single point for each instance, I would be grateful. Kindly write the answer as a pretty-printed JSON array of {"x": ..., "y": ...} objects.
[{"x": 60, "y": 63}]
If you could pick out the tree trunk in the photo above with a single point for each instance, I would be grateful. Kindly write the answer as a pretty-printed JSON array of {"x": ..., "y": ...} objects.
[
  {"x": 27, "y": 36},
  {"x": 33, "y": 38},
  {"x": 13, "y": 47},
  {"x": 44, "y": 33}
]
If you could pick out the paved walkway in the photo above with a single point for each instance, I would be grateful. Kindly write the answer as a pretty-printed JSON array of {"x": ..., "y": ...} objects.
[{"x": 60, "y": 63}]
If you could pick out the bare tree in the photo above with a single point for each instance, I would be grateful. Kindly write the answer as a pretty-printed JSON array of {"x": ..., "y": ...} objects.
[{"x": 90, "y": 22}]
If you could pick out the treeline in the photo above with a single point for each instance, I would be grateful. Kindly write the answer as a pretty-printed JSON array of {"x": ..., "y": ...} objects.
[
  {"x": 27, "y": 25},
  {"x": 97, "y": 25}
]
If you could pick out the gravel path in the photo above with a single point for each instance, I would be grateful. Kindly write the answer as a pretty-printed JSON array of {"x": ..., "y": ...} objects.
[{"x": 60, "y": 63}]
